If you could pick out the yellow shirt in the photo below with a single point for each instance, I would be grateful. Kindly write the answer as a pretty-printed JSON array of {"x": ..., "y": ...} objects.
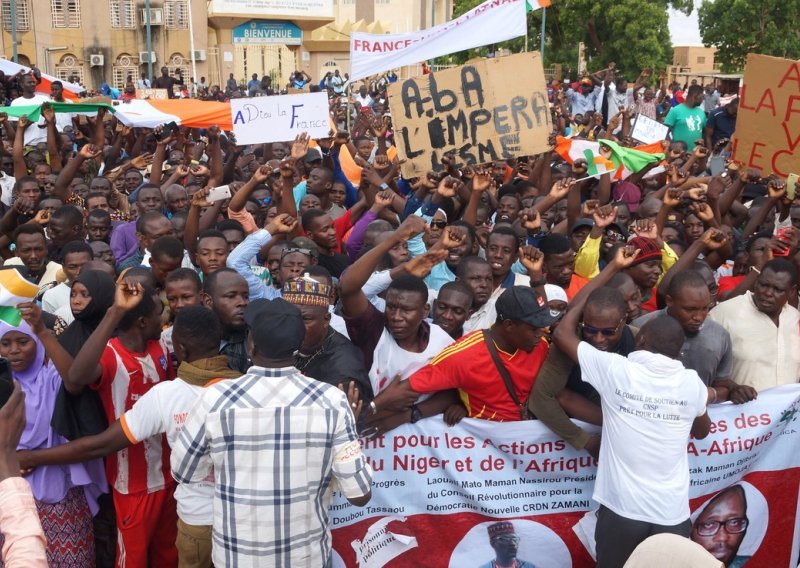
[{"x": 587, "y": 260}]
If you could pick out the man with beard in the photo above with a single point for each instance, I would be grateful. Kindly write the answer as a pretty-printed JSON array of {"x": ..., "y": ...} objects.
[
  {"x": 707, "y": 348},
  {"x": 722, "y": 525},
  {"x": 227, "y": 294},
  {"x": 630, "y": 294},
  {"x": 325, "y": 355}
]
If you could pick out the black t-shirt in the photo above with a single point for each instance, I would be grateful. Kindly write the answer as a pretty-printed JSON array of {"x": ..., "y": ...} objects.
[
  {"x": 339, "y": 361},
  {"x": 166, "y": 83},
  {"x": 335, "y": 263}
]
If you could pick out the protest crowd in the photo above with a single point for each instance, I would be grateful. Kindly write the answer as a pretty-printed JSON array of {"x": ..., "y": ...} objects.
[{"x": 216, "y": 325}]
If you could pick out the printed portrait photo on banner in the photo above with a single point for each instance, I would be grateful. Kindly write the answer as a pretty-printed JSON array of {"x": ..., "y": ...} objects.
[
  {"x": 732, "y": 524},
  {"x": 517, "y": 542}
]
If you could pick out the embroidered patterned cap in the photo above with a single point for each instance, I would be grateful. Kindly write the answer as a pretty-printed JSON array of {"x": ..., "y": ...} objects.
[
  {"x": 648, "y": 247},
  {"x": 305, "y": 291},
  {"x": 500, "y": 529}
]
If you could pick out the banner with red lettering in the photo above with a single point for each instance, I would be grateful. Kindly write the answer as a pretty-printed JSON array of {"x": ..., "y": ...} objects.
[
  {"x": 768, "y": 122},
  {"x": 491, "y": 22},
  {"x": 438, "y": 492}
]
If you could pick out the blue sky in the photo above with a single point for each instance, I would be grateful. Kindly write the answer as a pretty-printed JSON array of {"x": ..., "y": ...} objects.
[{"x": 684, "y": 29}]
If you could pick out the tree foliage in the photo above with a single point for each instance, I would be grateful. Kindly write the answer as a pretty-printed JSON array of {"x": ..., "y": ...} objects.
[
  {"x": 632, "y": 33},
  {"x": 739, "y": 27}
]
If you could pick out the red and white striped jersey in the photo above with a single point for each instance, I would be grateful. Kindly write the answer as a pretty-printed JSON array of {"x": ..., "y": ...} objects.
[{"x": 126, "y": 377}]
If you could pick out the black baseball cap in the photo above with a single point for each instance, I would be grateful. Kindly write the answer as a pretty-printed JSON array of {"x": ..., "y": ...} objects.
[
  {"x": 582, "y": 222},
  {"x": 276, "y": 327},
  {"x": 520, "y": 303}
]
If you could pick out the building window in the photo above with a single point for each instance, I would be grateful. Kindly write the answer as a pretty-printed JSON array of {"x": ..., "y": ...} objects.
[
  {"x": 177, "y": 14},
  {"x": 66, "y": 13},
  {"x": 124, "y": 66},
  {"x": 23, "y": 15},
  {"x": 69, "y": 69},
  {"x": 701, "y": 60},
  {"x": 123, "y": 13}
]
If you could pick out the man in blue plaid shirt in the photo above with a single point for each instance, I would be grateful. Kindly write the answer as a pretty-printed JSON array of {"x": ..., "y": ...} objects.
[{"x": 273, "y": 439}]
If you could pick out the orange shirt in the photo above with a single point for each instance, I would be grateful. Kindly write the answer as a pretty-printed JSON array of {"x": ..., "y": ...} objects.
[{"x": 576, "y": 283}]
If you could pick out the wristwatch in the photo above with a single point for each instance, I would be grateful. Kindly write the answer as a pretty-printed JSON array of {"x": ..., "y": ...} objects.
[
  {"x": 416, "y": 414},
  {"x": 384, "y": 186}
]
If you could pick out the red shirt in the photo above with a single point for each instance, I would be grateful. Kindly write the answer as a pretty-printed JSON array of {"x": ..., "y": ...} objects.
[
  {"x": 728, "y": 283},
  {"x": 342, "y": 225},
  {"x": 468, "y": 366},
  {"x": 651, "y": 304},
  {"x": 126, "y": 377}
]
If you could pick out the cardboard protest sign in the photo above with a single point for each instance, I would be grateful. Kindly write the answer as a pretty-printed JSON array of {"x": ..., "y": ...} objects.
[
  {"x": 648, "y": 131},
  {"x": 490, "y": 110},
  {"x": 276, "y": 119},
  {"x": 768, "y": 123},
  {"x": 151, "y": 94}
]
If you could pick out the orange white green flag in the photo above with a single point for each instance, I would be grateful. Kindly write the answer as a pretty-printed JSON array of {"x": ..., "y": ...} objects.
[
  {"x": 14, "y": 290},
  {"x": 532, "y": 5}
]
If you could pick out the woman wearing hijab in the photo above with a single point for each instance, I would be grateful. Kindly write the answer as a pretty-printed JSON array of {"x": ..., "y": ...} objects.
[
  {"x": 66, "y": 496},
  {"x": 91, "y": 297}
]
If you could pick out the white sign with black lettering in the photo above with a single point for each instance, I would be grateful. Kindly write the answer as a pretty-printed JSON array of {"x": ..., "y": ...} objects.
[
  {"x": 259, "y": 120},
  {"x": 647, "y": 130}
]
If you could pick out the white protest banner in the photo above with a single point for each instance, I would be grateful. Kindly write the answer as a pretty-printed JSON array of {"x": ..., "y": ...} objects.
[
  {"x": 437, "y": 488},
  {"x": 491, "y": 22},
  {"x": 492, "y": 109},
  {"x": 276, "y": 119},
  {"x": 647, "y": 131}
]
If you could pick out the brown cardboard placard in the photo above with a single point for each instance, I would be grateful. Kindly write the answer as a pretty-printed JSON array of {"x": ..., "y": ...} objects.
[
  {"x": 768, "y": 122},
  {"x": 490, "y": 110},
  {"x": 151, "y": 94}
]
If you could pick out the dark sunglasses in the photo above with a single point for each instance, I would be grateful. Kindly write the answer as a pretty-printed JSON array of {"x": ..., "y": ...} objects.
[
  {"x": 605, "y": 331},
  {"x": 306, "y": 252},
  {"x": 438, "y": 224},
  {"x": 264, "y": 201}
]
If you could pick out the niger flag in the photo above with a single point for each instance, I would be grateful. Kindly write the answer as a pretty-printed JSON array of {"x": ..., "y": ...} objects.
[{"x": 531, "y": 5}]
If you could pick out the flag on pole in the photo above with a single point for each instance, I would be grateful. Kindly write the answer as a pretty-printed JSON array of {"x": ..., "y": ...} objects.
[
  {"x": 533, "y": 5},
  {"x": 14, "y": 290},
  {"x": 622, "y": 161}
]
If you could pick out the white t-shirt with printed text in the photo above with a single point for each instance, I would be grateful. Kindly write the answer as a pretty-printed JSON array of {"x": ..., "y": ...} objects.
[{"x": 649, "y": 403}]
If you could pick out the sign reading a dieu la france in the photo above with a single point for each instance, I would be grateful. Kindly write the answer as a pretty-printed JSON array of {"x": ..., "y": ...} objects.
[{"x": 267, "y": 32}]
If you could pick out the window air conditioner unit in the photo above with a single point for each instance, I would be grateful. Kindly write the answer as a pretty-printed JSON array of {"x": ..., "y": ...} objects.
[
  {"x": 144, "y": 57},
  {"x": 156, "y": 17},
  {"x": 200, "y": 54},
  {"x": 96, "y": 60}
]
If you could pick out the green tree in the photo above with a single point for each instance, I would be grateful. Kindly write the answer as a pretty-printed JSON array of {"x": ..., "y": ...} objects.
[
  {"x": 632, "y": 33},
  {"x": 739, "y": 27}
]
